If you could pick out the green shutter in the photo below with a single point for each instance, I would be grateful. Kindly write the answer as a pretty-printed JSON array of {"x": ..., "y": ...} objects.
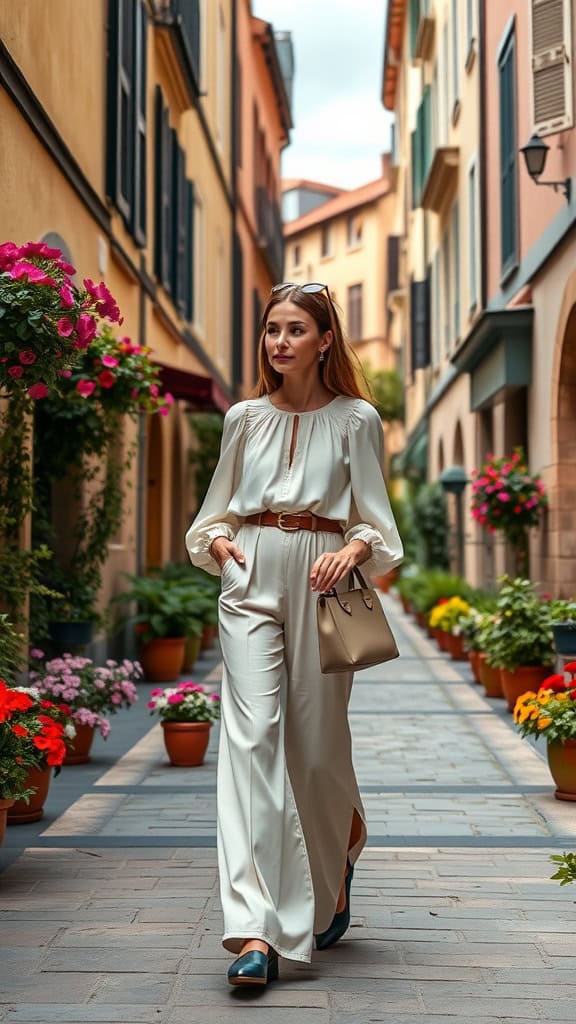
[
  {"x": 414, "y": 22},
  {"x": 508, "y": 143},
  {"x": 426, "y": 128}
]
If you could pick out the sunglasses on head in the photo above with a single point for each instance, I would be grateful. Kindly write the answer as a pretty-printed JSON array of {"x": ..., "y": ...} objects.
[{"x": 312, "y": 288}]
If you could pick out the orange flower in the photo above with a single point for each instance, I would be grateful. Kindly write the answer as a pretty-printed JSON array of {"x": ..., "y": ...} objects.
[{"x": 543, "y": 723}]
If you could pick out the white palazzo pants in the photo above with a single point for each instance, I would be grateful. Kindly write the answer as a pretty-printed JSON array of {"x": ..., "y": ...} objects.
[{"x": 286, "y": 785}]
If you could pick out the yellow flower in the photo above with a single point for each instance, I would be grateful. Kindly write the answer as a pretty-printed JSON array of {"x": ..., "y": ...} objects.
[
  {"x": 543, "y": 723},
  {"x": 561, "y": 696},
  {"x": 545, "y": 697},
  {"x": 534, "y": 714}
]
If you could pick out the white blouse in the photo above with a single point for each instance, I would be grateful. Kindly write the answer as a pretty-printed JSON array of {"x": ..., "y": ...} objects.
[{"x": 336, "y": 472}]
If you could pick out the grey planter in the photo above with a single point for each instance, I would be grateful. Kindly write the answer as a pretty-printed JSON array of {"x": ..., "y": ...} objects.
[{"x": 565, "y": 637}]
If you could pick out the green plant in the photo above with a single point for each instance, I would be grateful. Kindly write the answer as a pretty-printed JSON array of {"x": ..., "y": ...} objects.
[
  {"x": 185, "y": 702},
  {"x": 521, "y": 633},
  {"x": 11, "y": 658},
  {"x": 91, "y": 692},
  {"x": 431, "y": 526},
  {"x": 564, "y": 611},
  {"x": 566, "y": 873},
  {"x": 165, "y": 608},
  {"x": 429, "y": 587},
  {"x": 203, "y": 457},
  {"x": 387, "y": 389}
]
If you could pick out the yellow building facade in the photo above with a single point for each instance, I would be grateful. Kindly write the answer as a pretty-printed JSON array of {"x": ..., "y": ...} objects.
[{"x": 118, "y": 134}]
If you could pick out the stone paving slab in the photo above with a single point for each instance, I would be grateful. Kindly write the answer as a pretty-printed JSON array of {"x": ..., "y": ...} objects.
[{"x": 442, "y": 932}]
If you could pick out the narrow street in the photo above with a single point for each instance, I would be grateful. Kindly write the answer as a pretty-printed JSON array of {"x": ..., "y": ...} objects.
[{"x": 111, "y": 912}]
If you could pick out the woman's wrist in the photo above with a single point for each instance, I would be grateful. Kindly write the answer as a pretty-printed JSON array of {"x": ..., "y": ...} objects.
[{"x": 362, "y": 551}]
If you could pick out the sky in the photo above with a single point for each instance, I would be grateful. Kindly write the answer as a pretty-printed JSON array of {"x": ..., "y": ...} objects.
[{"x": 340, "y": 126}]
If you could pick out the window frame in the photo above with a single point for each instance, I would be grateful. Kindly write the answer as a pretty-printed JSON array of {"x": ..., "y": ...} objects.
[
  {"x": 508, "y": 128},
  {"x": 355, "y": 310}
]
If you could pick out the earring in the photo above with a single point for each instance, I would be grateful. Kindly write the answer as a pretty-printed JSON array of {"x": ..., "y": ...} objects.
[{"x": 321, "y": 357}]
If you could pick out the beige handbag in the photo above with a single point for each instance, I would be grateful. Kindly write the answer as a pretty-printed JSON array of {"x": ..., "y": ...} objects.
[{"x": 353, "y": 631}]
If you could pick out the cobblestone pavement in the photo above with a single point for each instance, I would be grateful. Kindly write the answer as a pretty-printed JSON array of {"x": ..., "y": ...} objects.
[{"x": 111, "y": 913}]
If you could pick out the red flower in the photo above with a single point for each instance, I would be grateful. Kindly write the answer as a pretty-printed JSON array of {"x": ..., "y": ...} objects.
[
  {"x": 66, "y": 297},
  {"x": 555, "y": 682},
  {"x": 86, "y": 330},
  {"x": 27, "y": 357},
  {"x": 15, "y": 371},
  {"x": 570, "y": 667},
  {"x": 12, "y": 700},
  {"x": 107, "y": 305},
  {"x": 34, "y": 274},
  {"x": 106, "y": 379},
  {"x": 38, "y": 390},
  {"x": 64, "y": 327},
  {"x": 19, "y": 730},
  {"x": 85, "y": 388}
]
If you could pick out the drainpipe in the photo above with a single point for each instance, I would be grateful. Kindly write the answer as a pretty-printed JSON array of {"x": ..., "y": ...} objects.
[
  {"x": 482, "y": 159},
  {"x": 141, "y": 456}
]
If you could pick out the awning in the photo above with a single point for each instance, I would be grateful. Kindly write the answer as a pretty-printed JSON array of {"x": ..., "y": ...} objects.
[
  {"x": 497, "y": 354},
  {"x": 203, "y": 393},
  {"x": 412, "y": 463}
]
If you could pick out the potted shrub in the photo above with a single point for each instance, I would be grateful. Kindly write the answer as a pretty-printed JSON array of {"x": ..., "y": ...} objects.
[
  {"x": 167, "y": 614},
  {"x": 564, "y": 627},
  {"x": 92, "y": 693},
  {"x": 551, "y": 712},
  {"x": 186, "y": 714},
  {"x": 46, "y": 726},
  {"x": 203, "y": 591},
  {"x": 489, "y": 672},
  {"x": 447, "y": 616},
  {"x": 520, "y": 642},
  {"x": 17, "y": 753}
]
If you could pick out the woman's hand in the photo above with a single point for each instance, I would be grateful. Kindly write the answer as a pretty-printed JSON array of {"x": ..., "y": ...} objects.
[
  {"x": 222, "y": 549},
  {"x": 333, "y": 566}
]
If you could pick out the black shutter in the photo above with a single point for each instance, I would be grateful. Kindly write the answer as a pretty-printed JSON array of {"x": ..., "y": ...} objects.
[
  {"x": 178, "y": 211},
  {"x": 120, "y": 163},
  {"x": 163, "y": 203},
  {"x": 237, "y": 312},
  {"x": 189, "y": 261},
  {"x": 420, "y": 323},
  {"x": 188, "y": 12},
  {"x": 393, "y": 263},
  {"x": 138, "y": 223}
]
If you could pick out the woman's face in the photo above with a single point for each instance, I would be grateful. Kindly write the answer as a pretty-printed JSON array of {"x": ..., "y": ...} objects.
[{"x": 293, "y": 341}]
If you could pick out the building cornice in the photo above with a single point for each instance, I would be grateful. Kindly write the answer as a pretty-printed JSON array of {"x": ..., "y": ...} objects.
[{"x": 393, "y": 40}]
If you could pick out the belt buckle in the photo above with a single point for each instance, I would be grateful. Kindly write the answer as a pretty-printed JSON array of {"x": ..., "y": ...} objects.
[{"x": 287, "y": 529}]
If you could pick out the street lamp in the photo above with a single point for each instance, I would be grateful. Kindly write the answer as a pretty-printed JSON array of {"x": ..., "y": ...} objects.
[
  {"x": 535, "y": 153},
  {"x": 454, "y": 480}
]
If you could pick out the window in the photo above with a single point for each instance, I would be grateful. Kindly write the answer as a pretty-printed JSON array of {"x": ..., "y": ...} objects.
[
  {"x": 473, "y": 236},
  {"x": 326, "y": 241},
  {"x": 355, "y": 312},
  {"x": 508, "y": 147},
  {"x": 456, "y": 277},
  {"x": 447, "y": 303},
  {"x": 552, "y": 85},
  {"x": 174, "y": 215},
  {"x": 354, "y": 231},
  {"x": 296, "y": 256},
  {"x": 420, "y": 323},
  {"x": 126, "y": 106},
  {"x": 455, "y": 55}
]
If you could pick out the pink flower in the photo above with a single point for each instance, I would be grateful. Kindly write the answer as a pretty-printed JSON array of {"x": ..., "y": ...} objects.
[
  {"x": 86, "y": 330},
  {"x": 40, "y": 249},
  {"x": 532, "y": 502},
  {"x": 116, "y": 698},
  {"x": 156, "y": 692},
  {"x": 151, "y": 704},
  {"x": 109, "y": 361},
  {"x": 65, "y": 373},
  {"x": 27, "y": 357},
  {"x": 64, "y": 327},
  {"x": 66, "y": 296},
  {"x": 175, "y": 698},
  {"x": 154, "y": 390},
  {"x": 35, "y": 652},
  {"x": 106, "y": 305},
  {"x": 106, "y": 379},
  {"x": 9, "y": 253},
  {"x": 65, "y": 267},
  {"x": 15, "y": 371},
  {"x": 85, "y": 387},
  {"x": 502, "y": 496},
  {"x": 38, "y": 390},
  {"x": 34, "y": 274}
]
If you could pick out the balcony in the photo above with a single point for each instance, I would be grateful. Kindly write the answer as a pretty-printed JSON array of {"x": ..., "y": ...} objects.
[
  {"x": 422, "y": 30},
  {"x": 441, "y": 178},
  {"x": 270, "y": 231},
  {"x": 179, "y": 20}
]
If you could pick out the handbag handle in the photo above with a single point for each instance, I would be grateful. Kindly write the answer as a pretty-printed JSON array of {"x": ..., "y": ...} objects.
[{"x": 353, "y": 572}]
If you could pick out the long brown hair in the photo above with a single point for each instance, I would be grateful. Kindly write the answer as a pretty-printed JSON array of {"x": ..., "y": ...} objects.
[{"x": 341, "y": 371}]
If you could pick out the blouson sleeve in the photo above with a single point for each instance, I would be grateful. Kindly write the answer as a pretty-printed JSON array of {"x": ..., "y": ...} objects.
[
  {"x": 213, "y": 519},
  {"x": 371, "y": 518}
]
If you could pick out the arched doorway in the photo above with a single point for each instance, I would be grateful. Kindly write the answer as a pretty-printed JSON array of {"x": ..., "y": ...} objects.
[
  {"x": 154, "y": 466},
  {"x": 561, "y": 535}
]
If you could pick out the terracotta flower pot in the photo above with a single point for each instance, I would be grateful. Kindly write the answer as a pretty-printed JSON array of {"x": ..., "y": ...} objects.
[
  {"x": 191, "y": 652},
  {"x": 442, "y": 639},
  {"x": 489, "y": 677},
  {"x": 473, "y": 659},
  {"x": 4, "y": 807},
  {"x": 162, "y": 658},
  {"x": 78, "y": 749},
  {"x": 405, "y": 604},
  {"x": 562, "y": 764},
  {"x": 22, "y": 813},
  {"x": 521, "y": 679},
  {"x": 421, "y": 620},
  {"x": 186, "y": 742},
  {"x": 456, "y": 647}
]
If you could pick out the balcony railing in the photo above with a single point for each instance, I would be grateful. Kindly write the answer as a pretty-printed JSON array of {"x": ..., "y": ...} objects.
[{"x": 270, "y": 236}]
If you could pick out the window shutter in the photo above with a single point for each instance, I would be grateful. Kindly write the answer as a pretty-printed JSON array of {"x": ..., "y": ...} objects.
[
  {"x": 508, "y": 144},
  {"x": 138, "y": 223},
  {"x": 420, "y": 323},
  {"x": 393, "y": 262},
  {"x": 163, "y": 205},
  {"x": 120, "y": 105},
  {"x": 178, "y": 217},
  {"x": 456, "y": 257},
  {"x": 552, "y": 66},
  {"x": 238, "y": 313},
  {"x": 189, "y": 273}
]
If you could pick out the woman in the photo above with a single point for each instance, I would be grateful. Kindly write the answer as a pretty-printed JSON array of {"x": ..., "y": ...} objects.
[{"x": 297, "y": 500}]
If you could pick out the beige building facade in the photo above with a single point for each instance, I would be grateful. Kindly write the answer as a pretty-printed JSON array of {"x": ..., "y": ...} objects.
[{"x": 495, "y": 251}]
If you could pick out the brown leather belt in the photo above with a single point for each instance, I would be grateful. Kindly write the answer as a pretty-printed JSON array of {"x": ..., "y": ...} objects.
[{"x": 292, "y": 521}]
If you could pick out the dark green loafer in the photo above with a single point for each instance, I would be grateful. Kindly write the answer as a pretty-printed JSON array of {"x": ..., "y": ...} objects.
[
  {"x": 340, "y": 921},
  {"x": 254, "y": 968}
]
